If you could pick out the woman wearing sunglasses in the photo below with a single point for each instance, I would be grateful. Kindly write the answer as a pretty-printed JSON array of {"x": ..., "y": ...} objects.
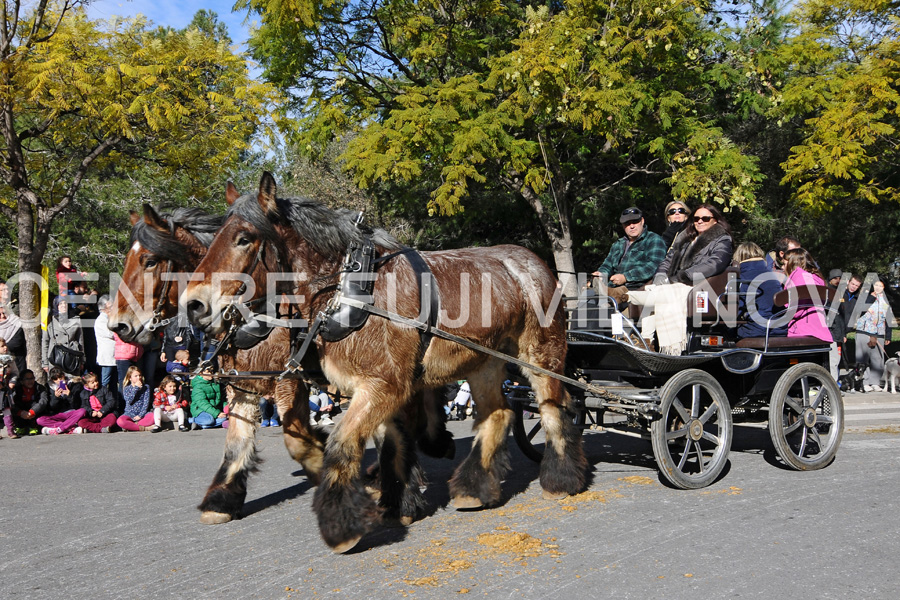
[
  {"x": 676, "y": 220},
  {"x": 701, "y": 250}
]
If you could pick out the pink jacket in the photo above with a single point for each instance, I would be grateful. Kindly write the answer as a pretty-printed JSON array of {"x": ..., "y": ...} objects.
[
  {"x": 126, "y": 351},
  {"x": 807, "y": 321}
]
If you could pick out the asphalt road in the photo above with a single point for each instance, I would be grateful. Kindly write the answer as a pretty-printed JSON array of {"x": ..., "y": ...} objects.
[{"x": 113, "y": 516}]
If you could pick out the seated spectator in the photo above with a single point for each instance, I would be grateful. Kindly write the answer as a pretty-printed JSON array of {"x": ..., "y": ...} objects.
[
  {"x": 137, "y": 415},
  {"x": 775, "y": 258},
  {"x": 8, "y": 371},
  {"x": 758, "y": 287},
  {"x": 676, "y": 220},
  {"x": 178, "y": 368},
  {"x": 809, "y": 320},
  {"x": 873, "y": 334},
  {"x": 701, "y": 250},
  {"x": 320, "y": 407},
  {"x": 30, "y": 401},
  {"x": 63, "y": 331},
  {"x": 268, "y": 412},
  {"x": 68, "y": 416},
  {"x": 632, "y": 259},
  {"x": 168, "y": 405},
  {"x": 99, "y": 406},
  {"x": 207, "y": 403}
]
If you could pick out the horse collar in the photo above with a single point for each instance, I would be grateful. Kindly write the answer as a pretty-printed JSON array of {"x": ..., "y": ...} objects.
[{"x": 357, "y": 281}]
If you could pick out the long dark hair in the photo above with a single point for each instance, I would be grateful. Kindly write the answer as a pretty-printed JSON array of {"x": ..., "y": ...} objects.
[{"x": 692, "y": 232}]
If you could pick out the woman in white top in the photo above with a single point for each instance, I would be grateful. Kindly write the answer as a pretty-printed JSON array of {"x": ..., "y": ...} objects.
[{"x": 106, "y": 343}]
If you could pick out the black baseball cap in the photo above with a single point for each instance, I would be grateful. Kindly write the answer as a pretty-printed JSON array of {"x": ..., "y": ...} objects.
[{"x": 631, "y": 214}]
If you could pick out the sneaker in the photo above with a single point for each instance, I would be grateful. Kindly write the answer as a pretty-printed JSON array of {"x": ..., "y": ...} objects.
[
  {"x": 51, "y": 431},
  {"x": 326, "y": 420},
  {"x": 183, "y": 428},
  {"x": 45, "y": 431},
  {"x": 195, "y": 427},
  {"x": 867, "y": 388},
  {"x": 78, "y": 430},
  {"x": 21, "y": 431},
  {"x": 34, "y": 431},
  {"x": 104, "y": 430},
  {"x": 273, "y": 422},
  {"x": 876, "y": 388},
  {"x": 312, "y": 421},
  {"x": 265, "y": 423},
  {"x": 155, "y": 429}
]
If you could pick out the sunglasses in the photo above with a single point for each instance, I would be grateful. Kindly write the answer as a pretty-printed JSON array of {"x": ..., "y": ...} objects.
[
  {"x": 676, "y": 211},
  {"x": 704, "y": 219}
]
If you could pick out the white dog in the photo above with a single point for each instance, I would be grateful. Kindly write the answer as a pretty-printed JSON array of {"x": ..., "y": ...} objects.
[{"x": 891, "y": 374}]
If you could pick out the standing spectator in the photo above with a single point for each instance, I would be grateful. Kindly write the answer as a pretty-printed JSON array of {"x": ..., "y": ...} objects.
[
  {"x": 64, "y": 332},
  {"x": 168, "y": 405},
  {"x": 106, "y": 343},
  {"x": 632, "y": 259},
  {"x": 30, "y": 401},
  {"x": 676, "y": 220},
  {"x": 850, "y": 307},
  {"x": 127, "y": 355},
  {"x": 99, "y": 405},
  {"x": 757, "y": 278},
  {"x": 68, "y": 416},
  {"x": 873, "y": 333},
  {"x": 838, "y": 328},
  {"x": 11, "y": 331},
  {"x": 809, "y": 320},
  {"x": 463, "y": 400},
  {"x": 207, "y": 404},
  {"x": 137, "y": 415},
  {"x": 65, "y": 275},
  {"x": 8, "y": 372},
  {"x": 775, "y": 258}
]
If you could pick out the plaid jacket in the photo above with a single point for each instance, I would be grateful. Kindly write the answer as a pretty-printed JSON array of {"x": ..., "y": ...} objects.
[{"x": 640, "y": 265}]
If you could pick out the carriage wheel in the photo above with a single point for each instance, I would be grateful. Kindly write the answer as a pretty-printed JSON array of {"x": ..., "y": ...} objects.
[
  {"x": 692, "y": 438},
  {"x": 524, "y": 430},
  {"x": 806, "y": 417}
]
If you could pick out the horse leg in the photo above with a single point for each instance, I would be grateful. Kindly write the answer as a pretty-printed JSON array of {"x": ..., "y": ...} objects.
[
  {"x": 400, "y": 474},
  {"x": 476, "y": 482},
  {"x": 433, "y": 438},
  {"x": 344, "y": 508},
  {"x": 225, "y": 497},
  {"x": 564, "y": 466},
  {"x": 305, "y": 443}
]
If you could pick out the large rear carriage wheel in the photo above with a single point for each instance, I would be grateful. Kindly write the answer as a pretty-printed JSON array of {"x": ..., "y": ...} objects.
[
  {"x": 692, "y": 439},
  {"x": 806, "y": 417}
]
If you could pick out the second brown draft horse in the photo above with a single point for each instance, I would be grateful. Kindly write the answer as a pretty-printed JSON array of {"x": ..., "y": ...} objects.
[
  {"x": 504, "y": 298},
  {"x": 166, "y": 247}
]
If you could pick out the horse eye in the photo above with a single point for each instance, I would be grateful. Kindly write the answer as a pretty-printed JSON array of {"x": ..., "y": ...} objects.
[
  {"x": 243, "y": 241},
  {"x": 151, "y": 262}
]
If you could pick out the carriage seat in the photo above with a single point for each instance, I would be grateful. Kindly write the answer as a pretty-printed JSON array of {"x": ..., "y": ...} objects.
[{"x": 720, "y": 290}]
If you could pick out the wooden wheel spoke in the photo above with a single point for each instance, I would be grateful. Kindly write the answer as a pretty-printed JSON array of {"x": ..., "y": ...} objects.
[
  {"x": 792, "y": 428},
  {"x": 819, "y": 395},
  {"x": 679, "y": 407},
  {"x": 678, "y": 433},
  {"x": 695, "y": 400},
  {"x": 795, "y": 406},
  {"x": 684, "y": 454},
  {"x": 711, "y": 438},
  {"x": 713, "y": 409},
  {"x": 824, "y": 420},
  {"x": 699, "y": 452},
  {"x": 803, "y": 441}
]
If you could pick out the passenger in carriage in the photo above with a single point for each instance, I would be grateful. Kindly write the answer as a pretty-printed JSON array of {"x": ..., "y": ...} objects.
[
  {"x": 758, "y": 286},
  {"x": 809, "y": 320},
  {"x": 676, "y": 220},
  {"x": 632, "y": 259},
  {"x": 701, "y": 250}
]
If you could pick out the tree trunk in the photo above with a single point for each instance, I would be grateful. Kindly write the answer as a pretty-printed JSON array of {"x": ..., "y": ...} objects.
[
  {"x": 29, "y": 262},
  {"x": 559, "y": 233}
]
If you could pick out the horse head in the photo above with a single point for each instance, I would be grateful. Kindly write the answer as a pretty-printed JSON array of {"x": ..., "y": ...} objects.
[{"x": 164, "y": 248}]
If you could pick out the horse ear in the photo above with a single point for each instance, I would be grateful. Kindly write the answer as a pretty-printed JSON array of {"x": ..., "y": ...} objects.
[
  {"x": 135, "y": 216},
  {"x": 267, "y": 194},
  {"x": 231, "y": 193},
  {"x": 152, "y": 219}
]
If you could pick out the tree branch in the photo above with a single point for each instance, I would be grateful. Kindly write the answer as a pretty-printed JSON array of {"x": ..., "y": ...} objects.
[{"x": 51, "y": 213}]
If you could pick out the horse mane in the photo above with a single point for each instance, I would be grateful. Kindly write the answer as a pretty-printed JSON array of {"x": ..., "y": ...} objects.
[
  {"x": 197, "y": 222},
  {"x": 329, "y": 232}
]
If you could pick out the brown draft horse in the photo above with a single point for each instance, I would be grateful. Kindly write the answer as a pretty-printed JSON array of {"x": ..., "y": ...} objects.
[
  {"x": 169, "y": 245},
  {"x": 511, "y": 290}
]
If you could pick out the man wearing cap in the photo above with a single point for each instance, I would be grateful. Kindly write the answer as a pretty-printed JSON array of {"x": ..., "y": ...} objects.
[{"x": 633, "y": 259}]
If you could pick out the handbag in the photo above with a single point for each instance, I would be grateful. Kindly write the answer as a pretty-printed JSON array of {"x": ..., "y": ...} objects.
[{"x": 70, "y": 361}]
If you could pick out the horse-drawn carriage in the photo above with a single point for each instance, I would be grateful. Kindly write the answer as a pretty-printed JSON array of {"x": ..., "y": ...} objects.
[{"x": 686, "y": 405}]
